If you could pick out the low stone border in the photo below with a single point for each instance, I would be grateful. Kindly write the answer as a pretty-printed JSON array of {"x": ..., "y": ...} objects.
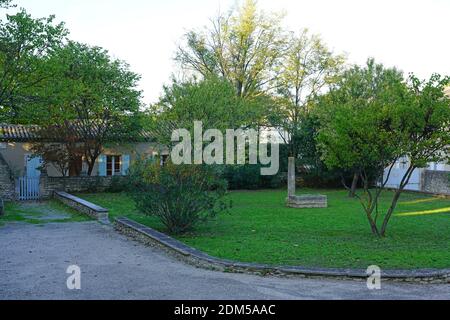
[
  {"x": 307, "y": 201},
  {"x": 83, "y": 206},
  {"x": 200, "y": 259}
]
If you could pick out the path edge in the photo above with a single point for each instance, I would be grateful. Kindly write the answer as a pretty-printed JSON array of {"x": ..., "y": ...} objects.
[{"x": 199, "y": 259}]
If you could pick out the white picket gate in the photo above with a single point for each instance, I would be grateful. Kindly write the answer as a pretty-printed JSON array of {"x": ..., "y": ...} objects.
[{"x": 27, "y": 188}]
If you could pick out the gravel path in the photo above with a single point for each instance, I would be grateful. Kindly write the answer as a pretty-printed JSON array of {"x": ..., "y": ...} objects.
[{"x": 34, "y": 259}]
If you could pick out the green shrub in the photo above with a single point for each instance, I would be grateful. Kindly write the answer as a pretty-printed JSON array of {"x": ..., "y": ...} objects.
[
  {"x": 181, "y": 196},
  {"x": 118, "y": 184},
  {"x": 248, "y": 177}
]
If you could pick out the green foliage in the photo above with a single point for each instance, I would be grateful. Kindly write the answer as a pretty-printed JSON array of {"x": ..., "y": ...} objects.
[
  {"x": 25, "y": 46},
  {"x": 372, "y": 118},
  {"x": 118, "y": 184},
  {"x": 262, "y": 229},
  {"x": 212, "y": 100},
  {"x": 355, "y": 118},
  {"x": 244, "y": 47},
  {"x": 58, "y": 84},
  {"x": 424, "y": 123},
  {"x": 181, "y": 196},
  {"x": 248, "y": 177},
  {"x": 311, "y": 169},
  {"x": 309, "y": 67},
  {"x": 93, "y": 99},
  {"x": 90, "y": 84}
]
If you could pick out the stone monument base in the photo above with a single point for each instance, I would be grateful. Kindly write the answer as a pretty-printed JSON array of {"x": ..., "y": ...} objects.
[{"x": 307, "y": 201}]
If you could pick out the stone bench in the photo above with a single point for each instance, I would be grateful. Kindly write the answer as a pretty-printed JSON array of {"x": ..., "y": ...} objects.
[
  {"x": 307, "y": 201},
  {"x": 83, "y": 206}
]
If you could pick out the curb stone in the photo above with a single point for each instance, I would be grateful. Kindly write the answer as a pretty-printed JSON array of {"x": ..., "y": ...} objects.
[{"x": 200, "y": 259}]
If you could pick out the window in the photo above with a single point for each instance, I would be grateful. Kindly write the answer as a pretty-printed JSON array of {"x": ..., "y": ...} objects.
[
  {"x": 2, "y": 145},
  {"x": 113, "y": 165}
]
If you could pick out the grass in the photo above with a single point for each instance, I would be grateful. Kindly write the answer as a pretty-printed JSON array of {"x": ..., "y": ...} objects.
[
  {"x": 39, "y": 213},
  {"x": 261, "y": 229}
]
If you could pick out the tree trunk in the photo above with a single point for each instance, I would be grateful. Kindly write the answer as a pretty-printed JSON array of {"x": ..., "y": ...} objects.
[
  {"x": 90, "y": 167},
  {"x": 374, "y": 228},
  {"x": 397, "y": 194},
  {"x": 390, "y": 211},
  {"x": 352, "y": 191}
]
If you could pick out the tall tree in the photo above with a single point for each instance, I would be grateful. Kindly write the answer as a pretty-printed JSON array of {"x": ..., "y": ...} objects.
[
  {"x": 25, "y": 46},
  {"x": 212, "y": 100},
  {"x": 61, "y": 148},
  {"x": 308, "y": 68},
  {"x": 94, "y": 97},
  {"x": 371, "y": 119},
  {"x": 424, "y": 129},
  {"x": 244, "y": 47}
]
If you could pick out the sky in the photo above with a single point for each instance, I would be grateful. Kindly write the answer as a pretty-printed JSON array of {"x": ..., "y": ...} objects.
[{"x": 413, "y": 35}]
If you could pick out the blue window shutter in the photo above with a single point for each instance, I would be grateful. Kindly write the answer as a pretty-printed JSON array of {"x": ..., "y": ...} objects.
[
  {"x": 102, "y": 165},
  {"x": 125, "y": 164}
]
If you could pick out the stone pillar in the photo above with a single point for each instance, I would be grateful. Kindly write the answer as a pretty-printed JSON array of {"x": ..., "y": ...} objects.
[
  {"x": 43, "y": 185},
  {"x": 7, "y": 184},
  {"x": 291, "y": 177}
]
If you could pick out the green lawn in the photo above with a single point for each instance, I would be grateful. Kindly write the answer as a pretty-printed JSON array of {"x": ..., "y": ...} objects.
[
  {"x": 40, "y": 213},
  {"x": 261, "y": 229}
]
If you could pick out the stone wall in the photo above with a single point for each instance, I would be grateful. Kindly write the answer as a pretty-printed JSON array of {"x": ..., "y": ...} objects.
[
  {"x": 436, "y": 182},
  {"x": 7, "y": 191},
  {"x": 83, "y": 206},
  {"x": 74, "y": 184}
]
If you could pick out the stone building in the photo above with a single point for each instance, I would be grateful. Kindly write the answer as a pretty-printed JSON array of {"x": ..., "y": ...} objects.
[{"x": 17, "y": 161}]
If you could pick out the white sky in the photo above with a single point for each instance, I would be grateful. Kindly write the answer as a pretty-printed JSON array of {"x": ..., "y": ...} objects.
[{"x": 413, "y": 35}]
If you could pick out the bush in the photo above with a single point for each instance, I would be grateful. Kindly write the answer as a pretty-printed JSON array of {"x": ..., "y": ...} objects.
[
  {"x": 181, "y": 196},
  {"x": 118, "y": 184},
  {"x": 248, "y": 177}
]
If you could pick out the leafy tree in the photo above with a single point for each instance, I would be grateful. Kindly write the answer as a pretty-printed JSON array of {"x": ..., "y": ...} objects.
[
  {"x": 94, "y": 98},
  {"x": 25, "y": 46},
  {"x": 64, "y": 154},
  {"x": 181, "y": 196},
  {"x": 312, "y": 169},
  {"x": 308, "y": 67},
  {"x": 212, "y": 100},
  {"x": 371, "y": 118},
  {"x": 423, "y": 128},
  {"x": 244, "y": 47}
]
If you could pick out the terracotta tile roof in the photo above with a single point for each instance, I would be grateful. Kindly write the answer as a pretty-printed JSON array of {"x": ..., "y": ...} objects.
[
  {"x": 30, "y": 133},
  {"x": 13, "y": 132}
]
